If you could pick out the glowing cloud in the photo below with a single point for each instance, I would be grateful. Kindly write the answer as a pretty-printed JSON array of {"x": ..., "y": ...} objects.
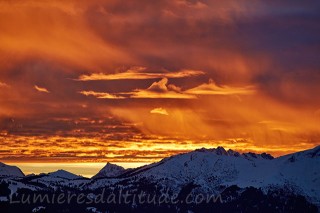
[
  {"x": 160, "y": 89},
  {"x": 160, "y": 111},
  {"x": 178, "y": 45},
  {"x": 101, "y": 95},
  {"x": 3, "y": 84},
  {"x": 212, "y": 88},
  {"x": 54, "y": 36},
  {"x": 139, "y": 73},
  {"x": 41, "y": 89}
]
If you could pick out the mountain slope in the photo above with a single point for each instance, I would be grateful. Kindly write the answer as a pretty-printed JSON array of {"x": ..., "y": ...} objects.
[
  {"x": 213, "y": 170},
  {"x": 302, "y": 169},
  {"x": 6, "y": 170},
  {"x": 63, "y": 174},
  {"x": 247, "y": 179},
  {"x": 110, "y": 170}
]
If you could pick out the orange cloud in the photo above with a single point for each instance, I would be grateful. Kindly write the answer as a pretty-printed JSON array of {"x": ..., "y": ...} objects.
[
  {"x": 3, "y": 84},
  {"x": 41, "y": 89},
  {"x": 139, "y": 73},
  {"x": 51, "y": 42},
  {"x": 160, "y": 111},
  {"x": 59, "y": 149},
  {"x": 163, "y": 90},
  {"x": 212, "y": 88},
  {"x": 53, "y": 31},
  {"x": 101, "y": 95},
  {"x": 160, "y": 89}
]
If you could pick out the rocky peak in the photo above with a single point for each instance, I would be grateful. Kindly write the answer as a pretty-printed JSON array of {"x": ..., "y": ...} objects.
[{"x": 110, "y": 170}]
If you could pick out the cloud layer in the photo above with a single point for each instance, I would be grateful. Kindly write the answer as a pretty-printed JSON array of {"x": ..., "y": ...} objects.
[
  {"x": 79, "y": 76},
  {"x": 140, "y": 73}
]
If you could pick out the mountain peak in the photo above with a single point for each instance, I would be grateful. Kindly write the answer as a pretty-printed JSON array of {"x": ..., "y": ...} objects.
[
  {"x": 233, "y": 153},
  {"x": 110, "y": 170},
  {"x": 64, "y": 174},
  {"x": 219, "y": 150},
  {"x": 6, "y": 170},
  {"x": 250, "y": 155}
]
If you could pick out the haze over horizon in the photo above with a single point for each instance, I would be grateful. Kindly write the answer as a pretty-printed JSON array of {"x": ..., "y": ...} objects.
[{"x": 134, "y": 82}]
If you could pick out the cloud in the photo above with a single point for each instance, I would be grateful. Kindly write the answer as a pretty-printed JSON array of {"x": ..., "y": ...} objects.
[
  {"x": 2, "y": 84},
  {"x": 160, "y": 90},
  {"x": 212, "y": 88},
  {"x": 51, "y": 31},
  {"x": 160, "y": 111},
  {"x": 236, "y": 43},
  {"x": 139, "y": 73},
  {"x": 101, "y": 95},
  {"x": 41, "y": 89}
]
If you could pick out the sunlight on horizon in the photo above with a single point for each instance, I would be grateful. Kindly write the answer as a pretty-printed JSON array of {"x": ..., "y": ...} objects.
[{"x": 84, "y": 169}]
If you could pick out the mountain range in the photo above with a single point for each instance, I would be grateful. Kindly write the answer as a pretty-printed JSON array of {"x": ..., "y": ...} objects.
[{"x": 244, "y": 182}]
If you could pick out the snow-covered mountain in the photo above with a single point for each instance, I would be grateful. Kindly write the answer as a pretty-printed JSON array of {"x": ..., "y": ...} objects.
[
  {"x": 209, "y": 171},
  {"x": 110, "y": 170},
  {"x": 11, "y": 171},
  {"x": 59, "y": 178},
  {"x": 301, "y": 169},
  {"x": 216, "y": 169},
  {"x": 63, "y": 174}
]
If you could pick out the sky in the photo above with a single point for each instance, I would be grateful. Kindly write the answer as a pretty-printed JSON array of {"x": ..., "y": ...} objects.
[{"x": 137, "y": 81}]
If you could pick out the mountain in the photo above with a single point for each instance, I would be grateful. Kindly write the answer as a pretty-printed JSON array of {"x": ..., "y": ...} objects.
[
  {"x": 110, "y": 170},
  {"x": 63, "y": 174},
  {"x": 209, "y": 168},
  {"x": 214, "y": 170},
  {"x": 247, "y": 181},
  {"x": 53, "y": 179},
  {"x": 13, "y": 171},
  {"x": 302, "y": 169}
]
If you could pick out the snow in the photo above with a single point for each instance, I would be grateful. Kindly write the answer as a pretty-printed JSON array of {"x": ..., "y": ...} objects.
[
  {"x": 63, "y": 174},
  {"x": 39, "y": 208},
  {"x": 14, "y": 185},
  {"x": 110, "y": 170},
  {"x": 211, "y": 169},
  {"x": 93, "y": 209},
  {"x": 3, "y": 199},
  {"x": 6, "y": 170},
  {"x": 60, "y": 178},
  {"x": 303, "y": 170}
]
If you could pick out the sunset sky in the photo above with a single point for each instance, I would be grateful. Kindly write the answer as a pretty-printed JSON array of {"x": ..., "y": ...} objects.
[{"x": 136, "y": 81}]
